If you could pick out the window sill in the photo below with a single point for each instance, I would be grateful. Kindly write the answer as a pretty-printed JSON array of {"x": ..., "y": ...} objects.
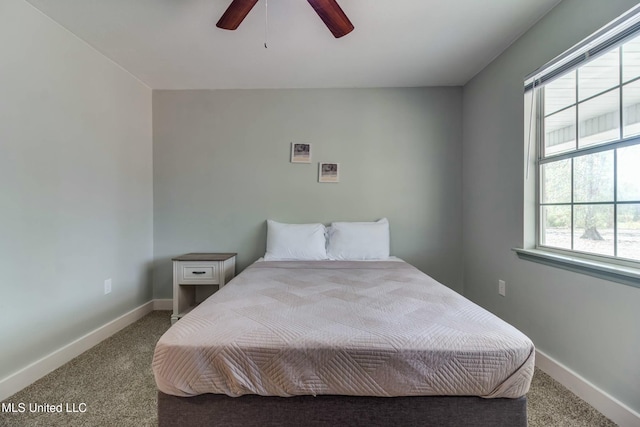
[{"x": 607, "y": 271}]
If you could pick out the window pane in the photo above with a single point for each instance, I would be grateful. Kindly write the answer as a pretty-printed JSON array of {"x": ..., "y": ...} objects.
[
  {"x": 599, "y": 119},
  {"x": 593, "y": 178},
  {"x": 560, "y": 93},
  {"x": 629, "y": 174},
  {"x": 556, "y": 226},
  {"x": 631, "y": 59},
  {"x": 593, "y": 229},
  {"x": 599, "y": 75},
  {"x": 560, "y": 132},
  {"x": 629, "y": 231},
  {"x": 631, "y": 109},
  {"x": 556, "y": 182}
]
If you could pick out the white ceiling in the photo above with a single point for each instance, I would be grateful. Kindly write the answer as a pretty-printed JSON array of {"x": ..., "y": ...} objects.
[{"x": 174, "y": 44}]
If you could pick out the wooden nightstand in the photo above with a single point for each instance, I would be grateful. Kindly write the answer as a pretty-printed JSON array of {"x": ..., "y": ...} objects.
[{"x": 197, "y": 276}]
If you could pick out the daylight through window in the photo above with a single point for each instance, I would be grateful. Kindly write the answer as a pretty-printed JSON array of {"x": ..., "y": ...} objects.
[{"x": 588, "y": 158}]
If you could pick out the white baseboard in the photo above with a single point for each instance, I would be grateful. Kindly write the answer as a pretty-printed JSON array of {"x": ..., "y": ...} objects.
[
  {"x": 609, "y": 406},
  {"x": 38, "y": 369},
  {"x": 162, "y": 304}
]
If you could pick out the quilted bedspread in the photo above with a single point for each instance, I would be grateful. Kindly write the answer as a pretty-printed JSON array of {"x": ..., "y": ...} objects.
[{"x": 342, "y": 328}]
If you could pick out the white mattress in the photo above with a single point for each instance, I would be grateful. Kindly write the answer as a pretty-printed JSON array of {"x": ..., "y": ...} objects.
[{"x": 341, "y": 328}]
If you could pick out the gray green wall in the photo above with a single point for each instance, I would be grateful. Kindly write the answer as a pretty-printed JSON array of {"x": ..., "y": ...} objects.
[
  {"x": 587, "y": 324},
  {"x": 221, "y": 168},
  {"x": 75, "y": 188}
]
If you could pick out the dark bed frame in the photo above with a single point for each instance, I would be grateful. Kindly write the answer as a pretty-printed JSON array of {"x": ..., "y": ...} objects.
[{"x": 339, "y": 411}]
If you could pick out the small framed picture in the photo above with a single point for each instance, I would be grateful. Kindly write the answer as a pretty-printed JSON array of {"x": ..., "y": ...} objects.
[
  {"x": 300, "y": 153},
  {"x": 328, "y": 172}
]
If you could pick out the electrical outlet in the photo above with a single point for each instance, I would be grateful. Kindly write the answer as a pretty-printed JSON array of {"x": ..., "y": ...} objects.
[
  {"x": 502, "y": 287},
  {"x": 107, "y": 286}
]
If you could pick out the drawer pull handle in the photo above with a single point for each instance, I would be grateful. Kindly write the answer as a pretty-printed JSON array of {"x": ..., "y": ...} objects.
[{"x": 198, "y": 272}]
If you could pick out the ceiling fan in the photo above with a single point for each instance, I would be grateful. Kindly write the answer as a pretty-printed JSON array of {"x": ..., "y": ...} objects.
[{"x": 329, "y": 11}]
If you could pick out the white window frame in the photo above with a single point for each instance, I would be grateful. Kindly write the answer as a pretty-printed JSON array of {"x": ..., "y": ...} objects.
[{"x": 607, "y": 267}]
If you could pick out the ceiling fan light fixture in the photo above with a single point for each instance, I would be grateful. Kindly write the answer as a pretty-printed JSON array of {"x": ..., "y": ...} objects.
[{"x": 328, "y": 10}]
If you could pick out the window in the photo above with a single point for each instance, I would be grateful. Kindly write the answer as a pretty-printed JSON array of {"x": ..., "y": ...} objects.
[{"x": 587, "y": 135}]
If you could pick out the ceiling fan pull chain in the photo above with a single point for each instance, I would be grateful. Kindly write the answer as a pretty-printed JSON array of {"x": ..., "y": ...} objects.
[{"x": 266, "y": 22}]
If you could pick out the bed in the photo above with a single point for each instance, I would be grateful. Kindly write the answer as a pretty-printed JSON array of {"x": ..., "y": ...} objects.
[{"x": 341, "y": 343}]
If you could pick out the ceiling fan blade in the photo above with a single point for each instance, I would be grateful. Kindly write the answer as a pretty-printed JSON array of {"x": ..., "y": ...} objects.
[
  {"x": 333, "y": 16},
  {"x": 235, "y": 13}
]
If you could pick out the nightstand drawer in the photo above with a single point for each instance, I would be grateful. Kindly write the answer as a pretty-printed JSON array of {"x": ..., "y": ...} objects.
[{"x": 205, "y": 273}]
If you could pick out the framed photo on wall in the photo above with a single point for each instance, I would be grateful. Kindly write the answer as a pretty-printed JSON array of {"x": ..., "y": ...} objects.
[
  {"x": 300, "y": 153},
  {"x": 328, "y": 172}
]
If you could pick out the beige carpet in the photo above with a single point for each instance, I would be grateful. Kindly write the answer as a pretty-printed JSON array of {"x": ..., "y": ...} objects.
[{"x": 115, "y": 382}]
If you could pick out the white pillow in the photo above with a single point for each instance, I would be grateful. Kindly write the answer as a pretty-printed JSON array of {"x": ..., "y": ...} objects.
[
  {"x": 295, "y": 242},
  {"x": 359, "y": 240}
]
